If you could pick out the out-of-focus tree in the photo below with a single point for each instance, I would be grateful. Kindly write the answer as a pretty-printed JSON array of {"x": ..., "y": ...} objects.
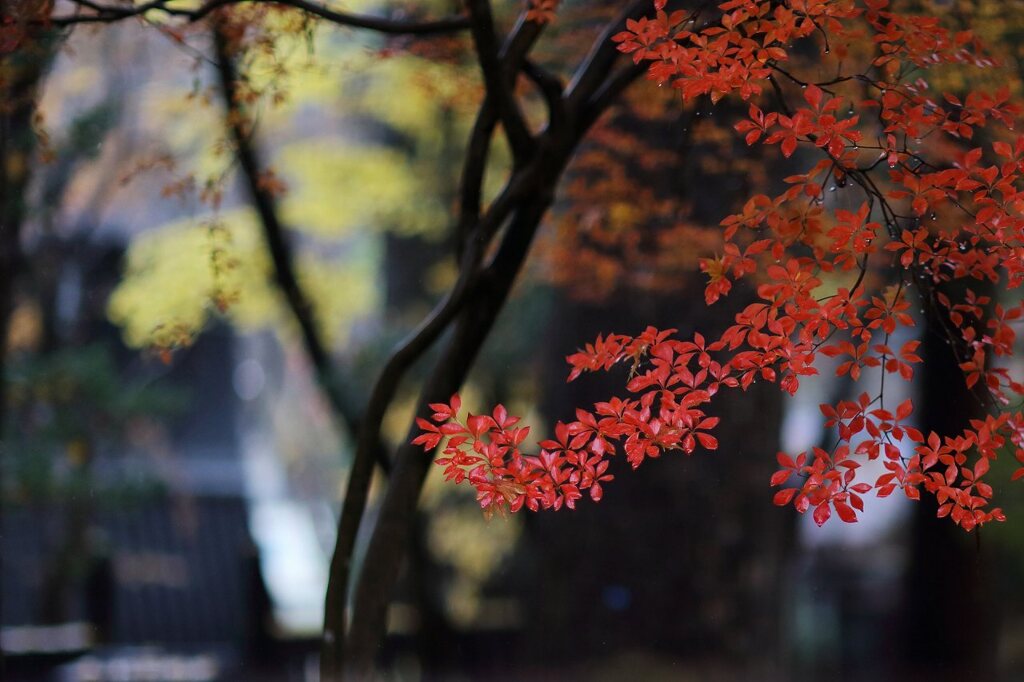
[{"x": 65, "y": 408}]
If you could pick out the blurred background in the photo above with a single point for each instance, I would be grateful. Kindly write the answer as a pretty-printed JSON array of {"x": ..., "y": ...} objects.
[{"x": 171, "y": 470}]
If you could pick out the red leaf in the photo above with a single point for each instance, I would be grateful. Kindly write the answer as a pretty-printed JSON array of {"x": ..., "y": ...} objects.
[
  {"x": 788, "y": 146},
  {"x": 822, "y": 512},
  {"x": 812, "y": 93},
  {"x": 785, "y": 460},
  {"x": 784, "y": 497},
  {"x": 845, "y": 512},
  {"x": 708, "y": 441}
]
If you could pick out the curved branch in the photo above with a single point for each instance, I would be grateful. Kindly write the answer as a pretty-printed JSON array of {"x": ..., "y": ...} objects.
[
  {"x": 498, "y": 81},
  {"x": 550, "y": 87},
  {"x": 473, "y": 234},
  {"x": 603, "y": 55},
  {"x": 361, "y": 474},
  {"x": 280, "y": 250},
  {"x": 526, "y": 199},
  {"x": 473, "y": 304},
  {"x": 608, "y": 92},
  {"x": 372, "y": 594},
  {"x": 513, "y": 53},
  {"x": 471, "y": 185},
  {"x": 401, "y": 359},
  {"x": 111, "y": 13}
]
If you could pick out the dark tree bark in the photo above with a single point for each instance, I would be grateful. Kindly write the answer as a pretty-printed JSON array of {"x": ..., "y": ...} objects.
[
  {"x": 390, "y": 534},
  {"x": 950, "y": 625},
  {"x": 24, "y": 72},
  {"x": 470, "y": 308},
  {"x": 18, "y": 91},
  {"x": 279, "y": 247}
]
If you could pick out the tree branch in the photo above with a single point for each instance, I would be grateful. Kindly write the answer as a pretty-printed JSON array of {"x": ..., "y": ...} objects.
[
  {"x": 499, "y": 81},
  {"x": 602, "y": 57},
  {"x": 473, "y": 234},
  {"x": 381, "y": 566},
  {"x": 472, "y": 305},
  {"x": 518, "y": 43},
  {"x": 550, "y": 89},
  {"x": 608, "y": 92},
  {"x": 403, "y": 357},
  {"x": 527, "y": 196},
  {"x": 112, "y": 13},
  {"x": 280, "y": 250}
]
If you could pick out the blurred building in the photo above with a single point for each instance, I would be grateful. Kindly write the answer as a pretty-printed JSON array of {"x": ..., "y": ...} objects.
[{"x": 185, "y": 557}]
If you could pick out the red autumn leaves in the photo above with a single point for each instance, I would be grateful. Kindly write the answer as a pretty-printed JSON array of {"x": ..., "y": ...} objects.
[{"x": 919, "y": 221}]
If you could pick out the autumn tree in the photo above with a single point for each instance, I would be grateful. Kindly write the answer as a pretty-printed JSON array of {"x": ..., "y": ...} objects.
[{"x": 905, "y": 199}]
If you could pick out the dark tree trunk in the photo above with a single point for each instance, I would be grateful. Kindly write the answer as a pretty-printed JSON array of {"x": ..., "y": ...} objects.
[
  {"x": 683, "y": 557},
  {"x": 950, "y": 628},
  {"x": 22, "y": 74},
  {"x": 18, "y": 91}
]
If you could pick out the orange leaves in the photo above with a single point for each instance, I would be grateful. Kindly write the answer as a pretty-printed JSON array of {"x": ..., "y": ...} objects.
[
  {"x": 602, "y": 354},
  {"x": 718, "y": 285},
  {"x": 542, "y": 11},
  {"x": 717, "y": 60},
  {"x": 648, "y": 38},
  {"x": 919, "y": 189},
  {"x": 914, "y": 245},
  {"x": 852, "y": 237},
  {"x": 813, "y": 95},
  {"x": 673, "y": 381},
  {"x": 792, "y": 280},
  {"x": 829, "y": 479},
  {"x": 272, "y": 183},
  {"x": 889, "y": 310},
  {"x": 902, "y": 363}
]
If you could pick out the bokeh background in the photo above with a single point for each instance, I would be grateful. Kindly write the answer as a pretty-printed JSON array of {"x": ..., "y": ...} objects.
[{"x": 172, "y": 471}]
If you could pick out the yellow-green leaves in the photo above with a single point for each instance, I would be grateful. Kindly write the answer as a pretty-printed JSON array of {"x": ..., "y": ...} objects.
[
  {"x": 336, "y": 189},
  {"x": 180, "y": 275}
]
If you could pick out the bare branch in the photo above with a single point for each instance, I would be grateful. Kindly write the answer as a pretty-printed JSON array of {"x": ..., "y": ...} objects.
[
  {"x": 470, "y": 307},
  {"x": 608, "y": 92},
  {"x": 383, "y": 558},
  {"x": 517, "y": 45},
  {"x": 281, "y": 256},
  {"x": 498, "y": 81},
  {"x": 603, "y": 55},
  {"x": 113, "y": 13},
  {"x": 551, "y": 89}
]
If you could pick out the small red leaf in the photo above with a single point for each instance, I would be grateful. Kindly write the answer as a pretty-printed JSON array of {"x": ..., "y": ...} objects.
[{"x": 822, "y": 512}]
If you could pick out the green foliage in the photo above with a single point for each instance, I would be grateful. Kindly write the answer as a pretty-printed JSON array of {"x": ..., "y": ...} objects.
[{"x": 65, "y": 406}]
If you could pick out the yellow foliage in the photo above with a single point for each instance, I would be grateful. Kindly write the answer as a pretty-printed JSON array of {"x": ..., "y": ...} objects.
[
  {"x": 176, "y": 274},
  {"x": 342, "y": 191},
  {"x": 426, "y": 88},
  {"x": 336, "y": 189},
  {"x": 341, "y": 291}
]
